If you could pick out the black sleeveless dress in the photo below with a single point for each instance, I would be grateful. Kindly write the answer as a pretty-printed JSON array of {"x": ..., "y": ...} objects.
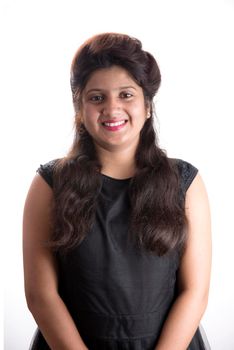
[{"x": 118, "y": 296}]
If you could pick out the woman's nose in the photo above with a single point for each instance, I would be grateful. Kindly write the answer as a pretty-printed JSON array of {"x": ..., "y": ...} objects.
[{"x": 111, "y": 107}]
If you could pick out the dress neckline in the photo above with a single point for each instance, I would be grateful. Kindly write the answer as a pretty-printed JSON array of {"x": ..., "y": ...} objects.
[{"x": 107, "y": 177}]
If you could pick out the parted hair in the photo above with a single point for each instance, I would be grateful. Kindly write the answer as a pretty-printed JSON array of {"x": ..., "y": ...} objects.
[{"x": 157, "y": 219}]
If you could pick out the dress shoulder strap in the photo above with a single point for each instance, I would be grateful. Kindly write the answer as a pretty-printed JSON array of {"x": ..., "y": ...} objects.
[
  {"x": 187, "y": 173},
  {"x": 46, "y": 171}
]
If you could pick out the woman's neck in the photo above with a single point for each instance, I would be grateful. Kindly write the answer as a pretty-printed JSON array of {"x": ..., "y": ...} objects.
[{"x": 119, "y": 164}]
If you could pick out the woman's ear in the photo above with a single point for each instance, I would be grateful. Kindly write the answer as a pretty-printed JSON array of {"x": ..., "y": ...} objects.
[
  {"x": 148, "y": 112},
  {"x": 78, "y": 119},
  {"x": 148, "y": 108},
  {"x": 81, "y": 118},
  {"x": 79, "y": 114},
  {"x": 79, "y": 125}
]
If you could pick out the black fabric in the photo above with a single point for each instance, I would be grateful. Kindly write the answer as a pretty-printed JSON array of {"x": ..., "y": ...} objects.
[
  {"x": 46, "y": 171},
  {"x": 118, "y": 296}
]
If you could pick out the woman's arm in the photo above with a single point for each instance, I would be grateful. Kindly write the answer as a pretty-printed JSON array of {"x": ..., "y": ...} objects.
[
  {"x": 194, "y": 273},
  {"x": 40, "y": 272}
]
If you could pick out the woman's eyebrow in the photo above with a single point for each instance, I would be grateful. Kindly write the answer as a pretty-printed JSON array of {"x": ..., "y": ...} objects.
[
  {"x": 127, "y": 87},
  {"x": 119, "y": 88}
]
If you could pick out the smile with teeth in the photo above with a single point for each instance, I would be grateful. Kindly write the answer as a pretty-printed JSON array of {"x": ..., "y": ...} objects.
[{"x": 121, "y": 122}]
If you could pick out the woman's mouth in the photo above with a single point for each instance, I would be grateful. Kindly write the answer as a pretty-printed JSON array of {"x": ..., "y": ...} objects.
[{"x": 112, "y": 125}]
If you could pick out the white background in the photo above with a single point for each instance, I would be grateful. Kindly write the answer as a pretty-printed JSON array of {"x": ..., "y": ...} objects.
[{"x": 193, "y": 43}]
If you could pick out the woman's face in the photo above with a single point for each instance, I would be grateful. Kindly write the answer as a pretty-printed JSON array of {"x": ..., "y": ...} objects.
[{"x": 113, "y": 109}]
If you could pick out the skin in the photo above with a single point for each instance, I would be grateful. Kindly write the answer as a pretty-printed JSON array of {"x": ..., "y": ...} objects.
[
  {"x": 40, "y": 272},
  {"x": 194, "y": 273},
  {"x": 110, "y": 102},
  {"x": 112, "y": 95}
]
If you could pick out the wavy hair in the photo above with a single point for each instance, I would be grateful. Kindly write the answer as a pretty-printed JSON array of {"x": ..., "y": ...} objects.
[{"x": 157, "y": 219}]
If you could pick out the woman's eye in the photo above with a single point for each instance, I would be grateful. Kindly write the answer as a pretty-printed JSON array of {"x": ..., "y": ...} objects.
[
  {"x": 96, "y": 98},
  {"x": 126, "y": 95}
]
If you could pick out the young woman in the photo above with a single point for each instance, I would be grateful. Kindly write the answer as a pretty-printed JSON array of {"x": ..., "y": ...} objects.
[{"x": 117, "y": 246}]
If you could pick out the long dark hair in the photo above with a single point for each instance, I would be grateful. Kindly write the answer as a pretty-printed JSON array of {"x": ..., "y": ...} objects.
[{"x": 157, "y": 221}]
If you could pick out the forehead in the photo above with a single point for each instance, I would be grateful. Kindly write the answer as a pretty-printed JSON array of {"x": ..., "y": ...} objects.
[{"x": 111, "y": 78}]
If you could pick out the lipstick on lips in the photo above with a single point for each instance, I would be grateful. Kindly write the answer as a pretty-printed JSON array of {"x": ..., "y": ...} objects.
[{"x": 114, "y": 125}]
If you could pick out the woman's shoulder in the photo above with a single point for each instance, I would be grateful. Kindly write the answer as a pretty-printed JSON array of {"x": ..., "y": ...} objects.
[
  {"x": 46, "y": 171},
  {"x": 187, "y": 172}
]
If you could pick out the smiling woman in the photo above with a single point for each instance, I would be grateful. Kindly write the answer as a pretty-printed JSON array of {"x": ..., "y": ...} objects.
[
  {"x": 113, "y": 109},
  {"x": 116, "y": 235}
]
